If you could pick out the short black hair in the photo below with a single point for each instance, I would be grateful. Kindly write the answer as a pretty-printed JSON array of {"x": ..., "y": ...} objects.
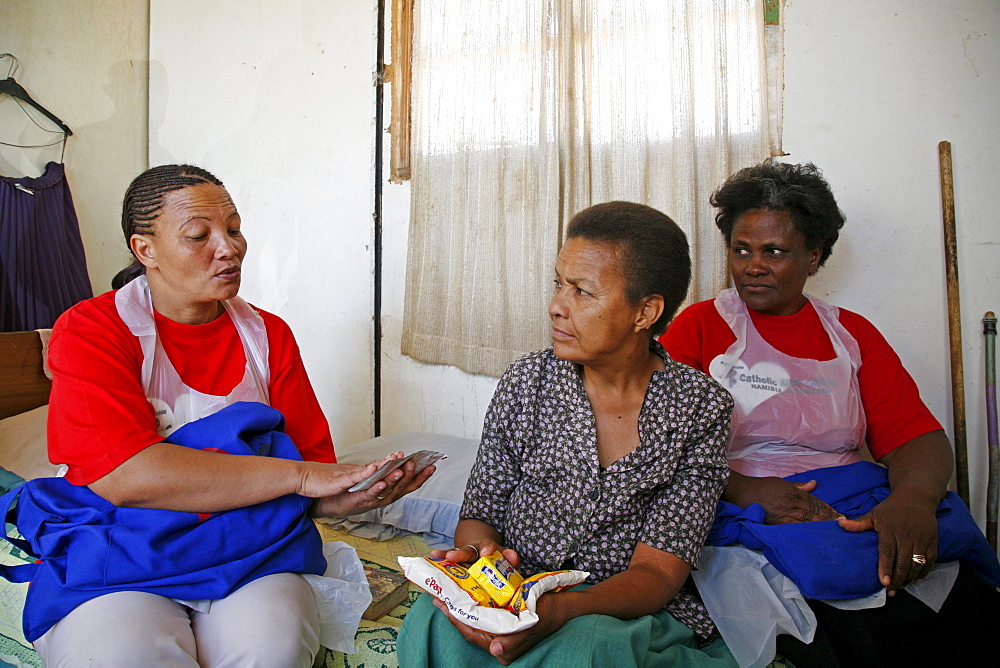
[
  {"x": 142, "y": 203},
  {"x": 800, "y": 190},
  {"x": 652, "y": 251}
]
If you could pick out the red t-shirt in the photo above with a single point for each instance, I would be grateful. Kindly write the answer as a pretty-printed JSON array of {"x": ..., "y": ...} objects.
[
  {"x": 98, "y": 413},
  {"x": 894, "y": 412}
]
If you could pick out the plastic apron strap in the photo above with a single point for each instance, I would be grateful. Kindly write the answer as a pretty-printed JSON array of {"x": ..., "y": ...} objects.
[
  {"x": 250, "y": 327},
  {"x": 841, "y": 339},
  {"x": 22, "y": 572},
  {"x": 135, "y": 307},
  {"x": 844, "y": 344},
  {"x": 728, "y": 304}
]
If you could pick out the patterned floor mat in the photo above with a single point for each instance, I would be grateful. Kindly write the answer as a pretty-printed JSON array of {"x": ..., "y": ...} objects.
[
  {"x": 375, "y": 642},
  {"x": 14, "y": 649}
]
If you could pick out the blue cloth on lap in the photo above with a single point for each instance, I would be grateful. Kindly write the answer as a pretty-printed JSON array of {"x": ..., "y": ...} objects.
[
  {"x": 828, "y": 562},
  {"x": 89, "y": 547}
]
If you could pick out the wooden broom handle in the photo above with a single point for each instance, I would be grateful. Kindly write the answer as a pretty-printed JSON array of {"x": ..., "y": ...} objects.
[{"x": 954, "y": 321}]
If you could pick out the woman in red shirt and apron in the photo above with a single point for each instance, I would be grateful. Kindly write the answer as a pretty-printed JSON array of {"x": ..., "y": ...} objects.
[
  {"x": 172, "y": 345},
  {"x": 811, "y": 383}
]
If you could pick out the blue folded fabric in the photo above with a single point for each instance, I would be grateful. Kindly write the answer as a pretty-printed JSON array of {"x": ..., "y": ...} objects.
[
  {"x": 828, "y": 562},
  {"x": 88, "y": 547}
]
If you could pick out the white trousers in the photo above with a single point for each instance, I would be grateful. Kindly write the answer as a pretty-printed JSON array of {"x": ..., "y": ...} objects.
[{"x": 270, "y": 622}]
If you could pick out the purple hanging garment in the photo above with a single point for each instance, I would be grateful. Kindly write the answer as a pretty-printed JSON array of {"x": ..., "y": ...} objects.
[{"x": 43, "y": 270}]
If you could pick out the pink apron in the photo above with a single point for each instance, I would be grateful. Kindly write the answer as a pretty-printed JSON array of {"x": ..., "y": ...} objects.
[{"x": 791, "y": 414}]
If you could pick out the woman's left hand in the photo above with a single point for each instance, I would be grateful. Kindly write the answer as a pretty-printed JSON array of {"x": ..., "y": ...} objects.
[
  {"x": 506, "y": 648},
  {"x": 906, "y": 521},
  {"x": 907, "y": 535}
]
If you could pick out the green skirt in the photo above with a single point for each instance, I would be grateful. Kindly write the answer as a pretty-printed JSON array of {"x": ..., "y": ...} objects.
[{"x": 427, "y": 638}]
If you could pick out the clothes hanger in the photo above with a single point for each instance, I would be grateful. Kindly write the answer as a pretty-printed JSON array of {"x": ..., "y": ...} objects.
[{"x": 16, "y": 90}]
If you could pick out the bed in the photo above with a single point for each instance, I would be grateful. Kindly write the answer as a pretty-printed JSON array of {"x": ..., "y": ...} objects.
[
  {"x": 409, "y": 527},
  {"x": 412, "y": 526}
]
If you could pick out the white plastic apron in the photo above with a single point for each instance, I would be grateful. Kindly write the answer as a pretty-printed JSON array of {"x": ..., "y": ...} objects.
[
  {"x": 174, "y": 403},
  {"x": 341, "y": 594},
  {"x": 791, "y": 414}
]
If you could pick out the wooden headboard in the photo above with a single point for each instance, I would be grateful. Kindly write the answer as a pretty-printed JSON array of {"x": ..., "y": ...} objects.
[{"x": 23, "y": 384}]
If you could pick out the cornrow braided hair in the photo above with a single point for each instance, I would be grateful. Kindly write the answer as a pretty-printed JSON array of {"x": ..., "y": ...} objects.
[{"x": 143, "y": 201}]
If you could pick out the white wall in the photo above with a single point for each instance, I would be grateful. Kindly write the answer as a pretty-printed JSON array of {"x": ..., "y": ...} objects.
[
  {"x": 86, "y": 63},
  {"x": 871, "y": 87},
  {"x": 418, "y": 397},
  {"x": 276, "y": 99}
]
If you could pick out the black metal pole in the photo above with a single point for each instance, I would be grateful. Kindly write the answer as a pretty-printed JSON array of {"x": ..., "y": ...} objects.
[{"x": 377, "y": 219}]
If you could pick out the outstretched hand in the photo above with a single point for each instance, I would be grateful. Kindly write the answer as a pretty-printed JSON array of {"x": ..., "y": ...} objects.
[
  {"x": 328, "y": 483},
  {"x": 907, "y": 535}
]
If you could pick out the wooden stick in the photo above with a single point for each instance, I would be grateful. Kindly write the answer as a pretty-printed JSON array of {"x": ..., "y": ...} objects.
[
  {"x": 954, "y": 321},
  {"x": 992, "y": 442}
]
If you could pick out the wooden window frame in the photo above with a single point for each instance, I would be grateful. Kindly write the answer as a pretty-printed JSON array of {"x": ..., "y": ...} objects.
[{"x": 398, "y": 72}]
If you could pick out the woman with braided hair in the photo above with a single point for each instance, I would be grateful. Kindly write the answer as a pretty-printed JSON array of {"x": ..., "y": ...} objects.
[{"x": 172, "y": 346}]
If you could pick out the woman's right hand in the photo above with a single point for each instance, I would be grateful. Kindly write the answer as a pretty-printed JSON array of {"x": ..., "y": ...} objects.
[
  {"x": 470, "y": 553},
  {"x": 783, "y": 501},
  {"x": 475, "y": 539}
]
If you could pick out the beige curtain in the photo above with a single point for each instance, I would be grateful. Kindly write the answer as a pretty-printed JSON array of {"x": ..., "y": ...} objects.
[{"x": 526, "y": 111}]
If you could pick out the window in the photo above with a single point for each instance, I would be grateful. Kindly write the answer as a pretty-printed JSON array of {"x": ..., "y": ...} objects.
[{"x": 526, "y": 111}]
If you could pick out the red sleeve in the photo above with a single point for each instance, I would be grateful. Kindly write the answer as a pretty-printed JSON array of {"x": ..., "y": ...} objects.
[
  {"x": 893, "y": 408},
  {"x": 697, "y": 336},
  {"x": 293, "y": 395},
  {"x": 98, "y": 413}
]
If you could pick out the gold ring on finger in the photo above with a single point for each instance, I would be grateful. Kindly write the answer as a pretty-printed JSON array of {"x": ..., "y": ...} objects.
[{"x": 919, "y": 559}]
